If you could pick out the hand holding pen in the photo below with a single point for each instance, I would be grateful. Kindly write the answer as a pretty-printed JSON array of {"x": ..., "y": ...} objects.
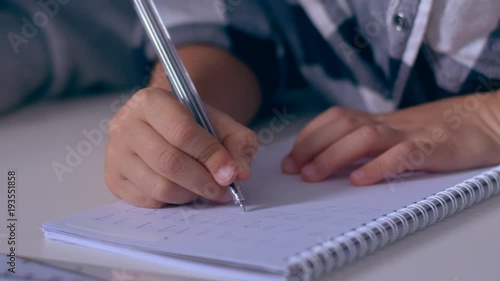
[{"x": 159, "y": 154}]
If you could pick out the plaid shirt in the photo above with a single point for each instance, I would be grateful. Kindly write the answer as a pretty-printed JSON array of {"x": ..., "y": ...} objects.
[
  {"x": 374, "y": 55},
  {"x": 369, "y": 55}
]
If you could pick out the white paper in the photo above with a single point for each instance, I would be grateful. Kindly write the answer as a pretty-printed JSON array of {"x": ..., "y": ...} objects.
[{"x": 285, "y": 216}]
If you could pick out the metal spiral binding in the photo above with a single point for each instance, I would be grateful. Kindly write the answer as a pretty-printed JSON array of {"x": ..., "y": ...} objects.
[{"x": 324, "y": 257}]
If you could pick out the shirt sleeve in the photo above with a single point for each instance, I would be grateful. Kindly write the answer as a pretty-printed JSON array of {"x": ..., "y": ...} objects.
[
  {"x": 55, "y": 48},
  {"x": 241, "y": 27},
  {"x": 18, "y": 55}
]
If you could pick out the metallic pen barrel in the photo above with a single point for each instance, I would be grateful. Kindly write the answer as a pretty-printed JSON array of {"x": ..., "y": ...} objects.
[{"x": 177, "y": 76}]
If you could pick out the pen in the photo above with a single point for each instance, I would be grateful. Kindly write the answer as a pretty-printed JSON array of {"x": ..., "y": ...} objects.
[{"x": 179, "y": 79}]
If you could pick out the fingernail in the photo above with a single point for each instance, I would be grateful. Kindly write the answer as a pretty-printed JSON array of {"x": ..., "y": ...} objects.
[
  {"x": 358, "y": 175},
  {"x": 225, "y": 173},
  {"x": 310, "y": 171},
  {"x": 289, "y": 166},
  {"x": 226, "y": 198}
]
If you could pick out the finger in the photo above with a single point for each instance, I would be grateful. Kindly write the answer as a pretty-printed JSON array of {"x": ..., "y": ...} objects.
[
  {"x": 316, "y": 142},
  {"x": 176, "y": 125},
  {"x": 128, "y": 192},
  {"x": 171, "y": 163},
  {"x": 347, "y": 150},
  {"x": 153, "y": 184},
  {"x": 401, "y": 158},
  {"x": 241, "y": 142},
  {"x": 112, "y": 175},
  {"x": 121, "y": 187},
  {"x": 330, "y": 115}
]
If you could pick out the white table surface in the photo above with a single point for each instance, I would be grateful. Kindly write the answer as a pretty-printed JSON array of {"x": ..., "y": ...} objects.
[{"x": 461, "y": 248}]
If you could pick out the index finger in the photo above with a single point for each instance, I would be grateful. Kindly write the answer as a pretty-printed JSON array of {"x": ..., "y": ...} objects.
[{"x": 176, "y": 125}]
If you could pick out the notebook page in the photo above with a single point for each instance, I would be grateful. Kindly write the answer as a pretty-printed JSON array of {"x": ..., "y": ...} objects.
[{"x": 285, "y": 216}]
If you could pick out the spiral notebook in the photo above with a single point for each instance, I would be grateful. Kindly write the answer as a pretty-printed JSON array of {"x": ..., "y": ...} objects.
[{"x": 294, "y": 230}]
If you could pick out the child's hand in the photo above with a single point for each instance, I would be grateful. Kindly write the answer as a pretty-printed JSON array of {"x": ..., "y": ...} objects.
[
  {"x": 157, "y": 153},
  {"x": 447, "y": 135}
]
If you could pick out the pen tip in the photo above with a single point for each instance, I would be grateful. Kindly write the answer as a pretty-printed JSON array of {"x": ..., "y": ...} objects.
[{"x": 243, "y": 207}]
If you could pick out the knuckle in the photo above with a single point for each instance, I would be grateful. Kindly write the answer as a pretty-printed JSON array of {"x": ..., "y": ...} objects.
[
  {"x": 381, "y": 165},
  {"x": 212, "y": 191},
  {"x": 164, "y": 190},
  {"x": 119, "y": 124},
  {"x": 408, "y": 147},
  {"x": 350, "y": 123},
  {"x": 142, "y": 173},
  {"x": 170, "y": 163},
  {"x": 322, "y": 168},
  {"x": 147, "y": 95},
  {"x": 141, "y": 95},
  {"x": 209, "y": 150},
  {"x": 336, "y": 111},
  {"x": 249, "y": 144},
  {"x": 116, "y": 124},
  {"x": 369, "y": 133},
  {"x": 184, "y": 131},
  {"x": 251, "y": 137}
]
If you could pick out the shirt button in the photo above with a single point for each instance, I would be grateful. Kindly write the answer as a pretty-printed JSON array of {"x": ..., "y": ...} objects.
[{"x": 400, "y": 21}]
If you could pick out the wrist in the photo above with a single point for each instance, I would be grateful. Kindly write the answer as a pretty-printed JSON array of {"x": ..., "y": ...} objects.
[
  {"x": 221, "y": 80},
  {"x": 489, "y": 112}
]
